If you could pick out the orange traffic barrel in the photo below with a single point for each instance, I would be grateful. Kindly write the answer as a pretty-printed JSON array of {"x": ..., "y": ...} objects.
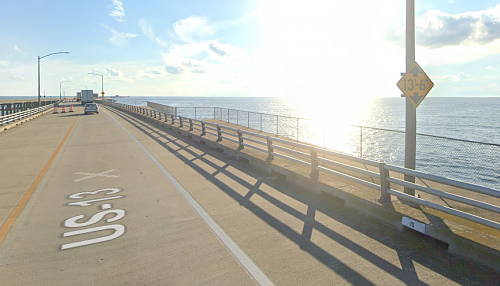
[
  {"x": 63, "y": 109},
  {"x": 71, "y": 108},
  {"x": 55, "y": 110}
]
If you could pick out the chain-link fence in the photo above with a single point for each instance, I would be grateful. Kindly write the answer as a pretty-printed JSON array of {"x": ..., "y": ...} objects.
[{"x": 469, "y": 161}]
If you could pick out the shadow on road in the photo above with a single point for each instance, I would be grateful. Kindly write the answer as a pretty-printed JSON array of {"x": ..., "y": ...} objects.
[{"x": 411, "y": 247}]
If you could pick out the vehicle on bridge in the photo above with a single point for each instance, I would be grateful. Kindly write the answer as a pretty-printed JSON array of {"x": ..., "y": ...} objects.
[{"x": 91, "y": 108}]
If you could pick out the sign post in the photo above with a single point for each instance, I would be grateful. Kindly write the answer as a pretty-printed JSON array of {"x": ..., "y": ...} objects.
[
  {"x": 411, "y": 110},
  {"x": 415, "y": 84}
]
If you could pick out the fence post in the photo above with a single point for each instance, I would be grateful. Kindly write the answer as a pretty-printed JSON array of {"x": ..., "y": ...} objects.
[
  {"x": 195, "y": 113},
  {"x": 172, "y": 118},
  {"x": 361, "y": 142},
  {"x": 384, "y": 184},
  {"x": 214, "y": 112},
  {"x": 219, "y": 134},
  {"x": 203, "y": 128},
  {"x": 270, "y": 149},
  {"x": 314, "y": 165},
  {"x": 261, "y": 122},
  {"x": 180, "y": 122},
  {"x": 277, "y": 124},
  {"x": 240, "y": 140},
  {"x": 166, "y": 117},
  {"x": 297, "y": 129},
  {"x": 228, "y": 115},
  {"x": 238, "y": 117},
  {"x": 248, "y": 120},
  {"x": 190, "y": 124}
]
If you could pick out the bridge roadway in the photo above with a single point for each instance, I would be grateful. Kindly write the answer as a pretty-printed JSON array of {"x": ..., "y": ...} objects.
[{"x": 174, "y": 213}]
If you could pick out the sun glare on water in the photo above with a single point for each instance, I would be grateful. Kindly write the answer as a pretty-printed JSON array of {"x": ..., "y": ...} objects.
[{"x": 329, "y": 121}]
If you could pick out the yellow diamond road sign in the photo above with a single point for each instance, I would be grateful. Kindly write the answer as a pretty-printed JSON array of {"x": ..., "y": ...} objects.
[{"x": 415, "y": 84}]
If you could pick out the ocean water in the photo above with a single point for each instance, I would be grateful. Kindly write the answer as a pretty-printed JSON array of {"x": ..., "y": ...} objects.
[{"x": 336, "y": 125}]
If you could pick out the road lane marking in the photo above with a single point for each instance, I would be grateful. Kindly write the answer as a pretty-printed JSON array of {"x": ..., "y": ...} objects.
[
  {"x": 238, "y": 253},
  {"x": 93, "y": 175},
  {"x": 75, "y": 221},
  {"x": 24, "y": 200}
]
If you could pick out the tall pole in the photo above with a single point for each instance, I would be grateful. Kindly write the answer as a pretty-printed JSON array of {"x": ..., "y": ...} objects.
[
  {"x": 60, "y": 83},
  {"x": 411, "y": 110},
  {"x": 102, "y": 82},
  {"x": 39, "y": 71},
  {"x": 38, "y": 81}
]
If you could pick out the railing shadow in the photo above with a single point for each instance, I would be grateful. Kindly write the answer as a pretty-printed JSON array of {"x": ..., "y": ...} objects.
[{"x": 410, "y": 247}]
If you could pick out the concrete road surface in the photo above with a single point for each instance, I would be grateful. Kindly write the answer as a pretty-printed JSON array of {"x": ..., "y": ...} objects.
[{"x": 123, "y": 202}]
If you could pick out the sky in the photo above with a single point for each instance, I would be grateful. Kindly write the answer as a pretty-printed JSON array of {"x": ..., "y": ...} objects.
[{"x": 318, "y": 49}]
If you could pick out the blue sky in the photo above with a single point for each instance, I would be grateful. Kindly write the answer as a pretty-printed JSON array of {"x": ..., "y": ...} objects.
[{"x": 315, "y": 48}]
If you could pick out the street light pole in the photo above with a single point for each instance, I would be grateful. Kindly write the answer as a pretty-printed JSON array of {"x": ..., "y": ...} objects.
[
  {"x": 102, "y": 82},
  {"x": 60, "y": 87},
  {"x": 39, "y": 71}
]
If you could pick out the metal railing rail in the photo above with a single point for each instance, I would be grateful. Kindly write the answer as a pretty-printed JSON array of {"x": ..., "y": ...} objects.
[
  {"x": 23, "y": 114},
  {"x": 311, "y": 160}
]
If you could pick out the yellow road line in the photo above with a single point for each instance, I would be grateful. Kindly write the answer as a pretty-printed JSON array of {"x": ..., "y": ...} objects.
[{"x": 19, "y": 207}]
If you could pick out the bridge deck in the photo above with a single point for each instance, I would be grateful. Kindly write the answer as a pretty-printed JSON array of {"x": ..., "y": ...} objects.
[{"x": 271, "y": 232}]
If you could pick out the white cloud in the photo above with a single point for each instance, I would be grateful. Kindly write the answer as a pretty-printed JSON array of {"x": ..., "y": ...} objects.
[
  {"x": 147, "y": 30},
  {"x": 17, "y": 48},
  {"x": 193, "y": 29},
  {"x": 217, "y": 49},
  {"x": 113, "y": 72},
  {"x": 461, "y": 76},
  {"x": 118, "y": 12},
  {"x": 4, "y": 63},
  {"x": 18, "y": 77},
  {"x": 173, "y": 69},
  {"x": 489, "y": 67},
  {"x": 119, "y": 38}
]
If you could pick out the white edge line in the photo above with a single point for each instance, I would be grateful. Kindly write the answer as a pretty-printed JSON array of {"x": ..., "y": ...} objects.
[{"x": 247, "y": 263}]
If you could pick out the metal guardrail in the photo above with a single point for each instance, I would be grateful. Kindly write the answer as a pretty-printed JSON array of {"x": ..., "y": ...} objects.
[
  {"x": 23, "y": 114},
  {"x": 311, "y": 160}
]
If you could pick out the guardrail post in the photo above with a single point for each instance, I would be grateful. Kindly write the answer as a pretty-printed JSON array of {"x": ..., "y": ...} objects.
[
  {"x": 180, "y": 122},
  {"x": 270, "y": 149},
  {"x": 203, "y": 128},
  {"x": 314, "y": 165},
  {"x": 172, "y": 118},
  {"x": 154, "y": 113},
  {"x": 384, "y": 184},
  {"x": 240, "y": 140},
  {"x": 219, "y": 134},
  {"x": 190, "y": 124},
  {"x": 166, "y": 117}
]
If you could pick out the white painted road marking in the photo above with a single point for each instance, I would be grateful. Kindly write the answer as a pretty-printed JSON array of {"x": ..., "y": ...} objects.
[
  {"x": 105, "y": 206},
  {"x": 80, "y": 195},
  {"x": 238, "y": 253},
  {"x": 92, "y": 175},
  {"x": 75, "y": 221},
  {"x": 88, "y": 203}
]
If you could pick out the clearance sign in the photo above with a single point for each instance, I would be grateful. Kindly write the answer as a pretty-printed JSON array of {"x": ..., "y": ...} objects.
[{"x": 415, "y": 84}]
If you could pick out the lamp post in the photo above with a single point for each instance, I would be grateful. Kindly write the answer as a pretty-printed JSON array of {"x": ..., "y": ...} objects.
[
  {"x": 64, "y": 89},
  {"x": 39, "y": 71},
  {"x": 102, "y": 82},
  {"x": 60, "y": 83}
]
